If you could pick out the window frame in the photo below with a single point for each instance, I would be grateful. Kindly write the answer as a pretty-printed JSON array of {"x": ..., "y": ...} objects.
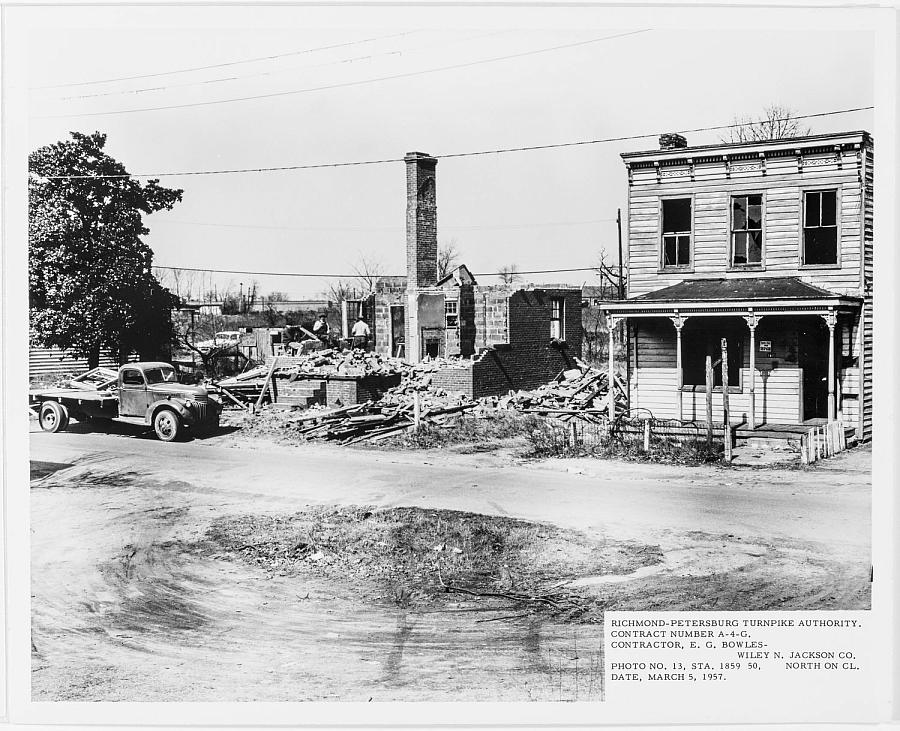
[
  {"x": 756, "y": 266},
  {"x": 836, "y": 189},
  {"x": 739, "y": 352},
  {"x": 448, "y": 314},
  {"x": 661, "y": 243},
  {"x": 142, "y": 384},
  {"x": 559, "y": 318}
]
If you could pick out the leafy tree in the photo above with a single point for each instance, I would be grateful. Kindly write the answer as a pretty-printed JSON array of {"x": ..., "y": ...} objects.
[{"x": 89, "y": 273}]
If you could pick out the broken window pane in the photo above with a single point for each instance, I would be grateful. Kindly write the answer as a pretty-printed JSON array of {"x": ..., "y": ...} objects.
[
  {"x": 739, "y": 214},
  {"x": 754, "y": 247},
  {"x": 754, "y": 211},
  {"x": 746, "y": 230}
]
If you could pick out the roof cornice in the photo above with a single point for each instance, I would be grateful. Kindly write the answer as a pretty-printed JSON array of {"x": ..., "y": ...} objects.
[{"x": 786, "y": 146}]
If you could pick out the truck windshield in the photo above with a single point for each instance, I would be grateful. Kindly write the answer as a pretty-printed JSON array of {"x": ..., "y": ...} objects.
[{"x": 161, "y": 375}]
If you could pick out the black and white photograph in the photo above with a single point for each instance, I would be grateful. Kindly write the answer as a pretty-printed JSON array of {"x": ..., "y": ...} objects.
[{"x": 377, "y": 353}]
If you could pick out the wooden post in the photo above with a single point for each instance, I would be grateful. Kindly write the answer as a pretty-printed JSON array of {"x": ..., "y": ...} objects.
[
  {"x": 646, "y": 435},
  {"x": 417, "y": 409},
  {"x": 752, "y": 322},
  {"x": 709, "y": 404},
  {"x": 611, "y": 323},
  {"x": 678, "y": 321},
  {"x": 831, "y": 320},
  {"x": 262, "y": 391},
  {"x": 726, "y": 416},
  {"x": 573, "y": 434}
]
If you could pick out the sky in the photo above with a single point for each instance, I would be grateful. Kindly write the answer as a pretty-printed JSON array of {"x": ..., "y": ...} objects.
[{"x": 397, "y": 82}]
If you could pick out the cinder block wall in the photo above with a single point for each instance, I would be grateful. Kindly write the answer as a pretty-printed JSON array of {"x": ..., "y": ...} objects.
[
  {"x": 526, "y": 359},
  {"x": 389, "y": 291}
]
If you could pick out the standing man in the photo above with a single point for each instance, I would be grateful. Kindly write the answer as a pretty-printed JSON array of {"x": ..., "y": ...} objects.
[
  {"x": 320, "y": 329},
  {"x": 360, "y": 333}
]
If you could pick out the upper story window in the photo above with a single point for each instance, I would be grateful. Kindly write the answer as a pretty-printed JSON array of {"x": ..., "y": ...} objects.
[
  {"x": 557, "y": 318},
  {"x": 746, "y": 230},
  {"x": 820, "y": 234},
  {"x": 676, "y": 232},
  {"x": 451, "y": 313}
]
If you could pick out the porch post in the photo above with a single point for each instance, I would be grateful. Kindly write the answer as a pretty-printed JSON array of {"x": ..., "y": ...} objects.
[
  {"x": 678, "y": 321},
  {"x": 831, "y": 321},
  {"x": 752, "y": 322},
  {"x": 611, "y": 324}
]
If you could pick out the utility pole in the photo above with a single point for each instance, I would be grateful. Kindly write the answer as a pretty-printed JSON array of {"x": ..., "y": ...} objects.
[
  {"x": 621, "y": 263},
  {"x": 241, "y": 300}
]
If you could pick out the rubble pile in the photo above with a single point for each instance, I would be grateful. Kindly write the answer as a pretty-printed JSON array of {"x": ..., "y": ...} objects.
[
  {"x": 373, "y": 421},
  {"x": 580, "y": 389}
]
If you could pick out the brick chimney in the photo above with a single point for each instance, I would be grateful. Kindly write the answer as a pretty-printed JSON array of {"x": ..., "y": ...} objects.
[
  {"x": 421, "y": 220},
  {"x": 672, "y": 141}
]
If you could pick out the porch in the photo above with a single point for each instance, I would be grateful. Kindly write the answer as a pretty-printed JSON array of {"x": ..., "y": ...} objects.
[{"x": 790, "y": 362}]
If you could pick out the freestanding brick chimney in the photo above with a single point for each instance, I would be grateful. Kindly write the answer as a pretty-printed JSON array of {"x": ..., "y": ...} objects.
[
  {"x": 421, "y": 244},
  {"x": 421, "y": 220}
]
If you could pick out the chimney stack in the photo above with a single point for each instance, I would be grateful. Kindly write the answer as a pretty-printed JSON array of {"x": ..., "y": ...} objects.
[
  {"x": 672, "y": 141},
  {"x": 421, "y": 220}
]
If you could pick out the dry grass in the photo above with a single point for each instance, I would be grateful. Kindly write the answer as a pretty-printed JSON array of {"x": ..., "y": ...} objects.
[{"x": 406, "y": 556}]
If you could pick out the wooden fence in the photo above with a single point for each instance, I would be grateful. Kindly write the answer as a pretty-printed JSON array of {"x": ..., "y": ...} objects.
[
  {"x": 46, "y": 362},
  {"x": 824, "y": 441}
]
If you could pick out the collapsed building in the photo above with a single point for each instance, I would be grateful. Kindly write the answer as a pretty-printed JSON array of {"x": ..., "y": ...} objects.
[{"x": 483, "y": 340}]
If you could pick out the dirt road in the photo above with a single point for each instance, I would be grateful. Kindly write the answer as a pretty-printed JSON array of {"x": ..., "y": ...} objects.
[{"x": 122, "y": 611}]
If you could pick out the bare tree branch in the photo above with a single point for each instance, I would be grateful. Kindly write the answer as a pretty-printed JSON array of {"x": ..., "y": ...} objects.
[
  {"x": 509, "y": 274},
  {"x": 448, "y": 258},
  {"x": 777, "y": 122}
]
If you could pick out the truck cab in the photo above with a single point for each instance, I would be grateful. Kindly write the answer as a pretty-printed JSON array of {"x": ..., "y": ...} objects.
[{"x": 150, "y": 391}]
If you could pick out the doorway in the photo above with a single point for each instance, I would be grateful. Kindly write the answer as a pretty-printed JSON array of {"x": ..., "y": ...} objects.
[
  {"x": 398, "y": 331},
  {"x": 812, "y": 346}
]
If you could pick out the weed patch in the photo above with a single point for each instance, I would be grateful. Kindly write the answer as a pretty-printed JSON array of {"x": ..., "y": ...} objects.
[
  {"x": 410, "y": 556},
  {"x": 552, "y": 439}
]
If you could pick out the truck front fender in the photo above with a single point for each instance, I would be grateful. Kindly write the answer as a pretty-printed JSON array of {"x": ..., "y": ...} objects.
[{"x": 176, "y": 406}]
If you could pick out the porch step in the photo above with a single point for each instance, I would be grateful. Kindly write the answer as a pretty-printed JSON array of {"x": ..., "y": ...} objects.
[{"x": 782, "y": 444}]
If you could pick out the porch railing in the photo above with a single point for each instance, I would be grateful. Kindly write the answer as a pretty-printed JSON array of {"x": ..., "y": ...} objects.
[{"x": 823, "y": 441}]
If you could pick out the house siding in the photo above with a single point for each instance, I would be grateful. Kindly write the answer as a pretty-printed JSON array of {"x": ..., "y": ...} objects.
[{"x": 781, "y": 172}]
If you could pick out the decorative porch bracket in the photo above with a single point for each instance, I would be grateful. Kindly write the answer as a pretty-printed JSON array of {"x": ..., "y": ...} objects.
[
  {"x": 678, "y": 321},
  {"x": 831, "y": 320},
  {"x": 752, "y": 321}
]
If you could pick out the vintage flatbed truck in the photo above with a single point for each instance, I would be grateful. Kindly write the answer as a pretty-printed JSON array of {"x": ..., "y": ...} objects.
[{"x": 146, "y": 394}]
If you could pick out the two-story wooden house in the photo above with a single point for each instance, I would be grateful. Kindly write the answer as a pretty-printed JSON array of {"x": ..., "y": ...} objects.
[{"x": 765, "y": 244}]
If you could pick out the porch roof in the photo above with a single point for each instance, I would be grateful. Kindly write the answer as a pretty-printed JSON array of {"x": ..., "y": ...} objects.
[{"x": 720, "y": 296}]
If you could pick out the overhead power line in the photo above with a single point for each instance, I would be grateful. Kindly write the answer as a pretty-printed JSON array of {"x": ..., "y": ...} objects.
[
  {"x": 475, "y": 153},
  {"x": 541, "y": 224},
  {"x": 225, "y": 63},
  {"x": 355, "y": 275},
  {"x": 274, "y": 72},
  {"x": 344, "y": 84}
]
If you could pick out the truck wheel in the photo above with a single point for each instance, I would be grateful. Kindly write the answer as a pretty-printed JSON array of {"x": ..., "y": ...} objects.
[
  {"x": 167, "y": 425},
  {"x": 53, "y": 417}
]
